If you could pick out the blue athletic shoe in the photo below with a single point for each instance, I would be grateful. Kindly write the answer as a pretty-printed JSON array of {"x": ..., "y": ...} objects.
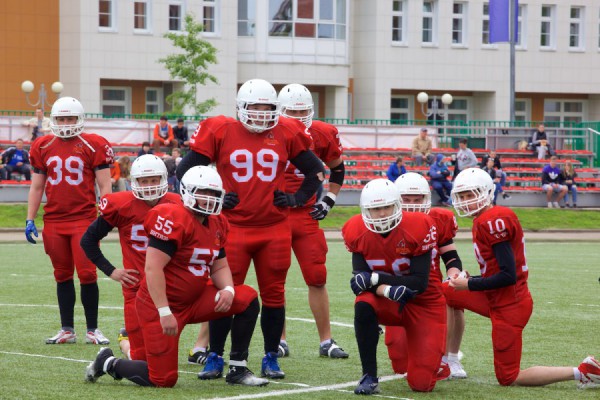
[
  {"x": 213, "y": 368},
  {"x": 270, "y": 367},
  {"x": 367, "y": 385}
]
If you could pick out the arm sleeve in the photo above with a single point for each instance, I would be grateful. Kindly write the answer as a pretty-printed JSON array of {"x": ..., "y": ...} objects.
[
  {"x": 507, "y": 275},
  {"x": 359, "y": 264},
  {"x": 91, "y": 246},
  {"x": 168, "y": 247},
  {"x": 337, "y": 174},
  {"x": 419, "y": 274},
  {"x": 313, "y": 170},
  {"x": 190, "y": 160}
]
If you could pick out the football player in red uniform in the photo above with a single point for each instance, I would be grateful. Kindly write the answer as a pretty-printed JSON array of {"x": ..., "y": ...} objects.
[
  {"x": 308, "y": 240},
  {"x": 187, "y": 281},
  {"x": 66, "y": 166},
  {"x": 501, "y": 292},
  {"x": 416, "y": 197},
  {"x": 126, "y": 211},
  {"x": 251, "y": 155},
  {"x": 391, "y": 259}
]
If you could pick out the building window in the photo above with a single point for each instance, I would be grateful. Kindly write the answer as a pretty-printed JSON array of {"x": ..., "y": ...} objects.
[
  {"x": 106, "y": 15},
  {"x": 458, "y": 110},
  {"x": 576, "y": 28},
  {"x": 209, "y": 16},
  {"x": 154, "y": 103},
  {"x": 141, "y": 16},
  {"x": 175, "y": 17},
  {"x": 522, "y": 27},
  {"x": 459, "y": 23},
  {"x": 399, "y": 109},
  {"x": 246, "y": 17},
  {"x": 398, "y": 21},
  {"x": 558, "y": 111},
  {"x": 522, "y": 110},
  {"x": 115, "y": 100},
  {"x": 547, "y": 28},
  {"x": 324, "y": 19},
  {"x": 429, "y": 34},
  {"x": 485, "y": 24}
]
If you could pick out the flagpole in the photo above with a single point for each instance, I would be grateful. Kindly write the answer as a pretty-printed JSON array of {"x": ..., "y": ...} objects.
[{"x": 511, "y": 30}]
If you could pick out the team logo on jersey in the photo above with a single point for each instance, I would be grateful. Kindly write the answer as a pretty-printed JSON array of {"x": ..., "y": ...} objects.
[
  {"x": 78, "y": 148},
  {"x": 270, "y": 139},
  {"x": 401, "y": 247}
]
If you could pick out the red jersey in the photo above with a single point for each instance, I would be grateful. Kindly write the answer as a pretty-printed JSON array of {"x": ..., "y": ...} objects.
[
  {"x": 198, "y": 246},
  {"x": 69, "y": 166},
  {"x": 127, "y": 213},
  {"x": 392, "y": 254},
  {"x": 446, "y": 225},
  {"x": 495, "y": 225},
  {"x": 325, "y": 144},
  {"x": 251, "y": 164}
]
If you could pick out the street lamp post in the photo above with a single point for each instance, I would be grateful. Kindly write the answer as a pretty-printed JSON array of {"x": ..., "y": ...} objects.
[
  {"x": 28, "y": 86},
  {"x": 435, "y": 108}
]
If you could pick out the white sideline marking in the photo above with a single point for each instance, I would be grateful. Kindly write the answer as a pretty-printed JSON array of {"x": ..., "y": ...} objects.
[
  {"x": 43, "y": 356},
  {"x": 313, "y": 321}
]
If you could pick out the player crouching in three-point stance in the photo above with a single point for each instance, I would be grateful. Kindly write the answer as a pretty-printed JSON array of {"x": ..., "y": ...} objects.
[
  {"x": 391, "y": 259},
  {"x": 66, "y": 166},
  {"x": 416, "y": 197},
  {"x": 126, "y": 211},
  {"x": 501, "y": 292},
  {"x": 187, "y": 281}
]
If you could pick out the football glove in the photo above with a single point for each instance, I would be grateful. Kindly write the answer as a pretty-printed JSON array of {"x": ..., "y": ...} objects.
[
  {"x": 321, "y": 209},
  {"x": 363, "y": 281},
  {"x": 281, "y": 199},
  {"x": 29, "y": 230},
  {"x": 230, "y": 200},
  {"x": 400, "y": 294}
]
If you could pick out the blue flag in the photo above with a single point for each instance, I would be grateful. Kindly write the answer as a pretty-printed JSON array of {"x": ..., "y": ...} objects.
[{"x": 499, "y": 17}]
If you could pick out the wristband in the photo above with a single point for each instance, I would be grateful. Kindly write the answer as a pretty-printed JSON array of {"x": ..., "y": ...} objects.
[
  {"x": 230, "y": 289},
  {"x": 331, "y": 196},
  {"x": 374, "y": 279},
  {"x": 386, "y": 291},
  {"x": 164, "y": 311}
]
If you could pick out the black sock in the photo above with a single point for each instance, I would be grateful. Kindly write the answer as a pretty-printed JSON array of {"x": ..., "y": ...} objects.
[
  {"x": 134, "y": 370},
  {"x": 242, "y": 329},
  {"x": 218, "y": 329},
  {"x": 65, "y": 291},
  {"x": 271, "y": 323},
  {"x": 366, "y": 330},
  {"x": 89, "y": 298}
]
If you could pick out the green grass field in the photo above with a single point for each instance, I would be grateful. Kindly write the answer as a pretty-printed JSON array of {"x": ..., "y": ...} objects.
[{"x": 562, "y": 331}]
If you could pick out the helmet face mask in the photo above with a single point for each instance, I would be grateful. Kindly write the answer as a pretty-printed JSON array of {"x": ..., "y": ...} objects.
[
  {"x": 380, "y": 206},
  {"x": 257, "y": 105},
  {"x": 473, "y": 191},
  {"x": 66, "y": 107},
  {"x": 146, "y": 166},
  {"x": 414, "y": 188},
  {"x": 296, "y": 102},
  {"x": 202, "y": 190}
]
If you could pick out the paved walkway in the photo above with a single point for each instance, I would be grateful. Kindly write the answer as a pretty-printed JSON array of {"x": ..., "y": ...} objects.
[{"x": 17, "y": 235}]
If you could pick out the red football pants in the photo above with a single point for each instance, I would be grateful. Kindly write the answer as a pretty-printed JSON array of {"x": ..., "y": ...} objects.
[
  {"x": 132, "y": 324},
  {"x": 270, "y": 249},
  {"x": 61, "y": 243},
  {"x": 310, "y": 247}
]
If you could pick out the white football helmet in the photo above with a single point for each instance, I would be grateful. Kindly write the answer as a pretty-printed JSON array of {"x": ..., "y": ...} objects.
[
  {"x": 202, "y": 178},
  {"x": 144, "y": 166},
  {"x": 479, "y": 184},
  {"x": 379, "y": 193},
  {"x": 66, "y": 107},
  {"x": 297, "y": 97},
  {"x": 412, "y": 183},
  {"x": 257, "y": 91}
]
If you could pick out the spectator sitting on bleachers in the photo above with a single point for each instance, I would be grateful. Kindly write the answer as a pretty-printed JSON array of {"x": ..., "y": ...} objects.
[
  {"x": 172, "y": 181},
  {"x": 498, "y": 170},
  {"x": 180, "y": 131},
  {"x": 145, "y": 149},
  {"x": 163, "y": 134},
  {"x": 396, "y": 169},
  {"x": 16, "y": 159},
  {"x": 551, "y": 183},
  {"x": 40, "y": 125},
  {"x": 125, "y": 166},
  {"x": 539, "y": 143},
  {"x": 568, "y": 175},
  {"x": 421, "y": 147},
  {"x": 115, "y": 178},
  {"x": 439, "y": 173},
  {"x": 489, "y": 168},
  {"x": 465, "y": 158}
]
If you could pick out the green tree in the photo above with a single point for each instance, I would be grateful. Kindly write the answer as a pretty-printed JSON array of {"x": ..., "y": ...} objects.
[{"x": 190, "y": 66}]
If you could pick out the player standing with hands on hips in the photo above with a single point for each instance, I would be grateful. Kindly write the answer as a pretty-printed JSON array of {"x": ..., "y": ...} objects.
[
  {"x": 66, "y": 166},
  {"x": 251, "y": 155}
]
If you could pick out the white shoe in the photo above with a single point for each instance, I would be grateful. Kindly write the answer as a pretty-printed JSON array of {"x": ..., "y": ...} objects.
[
  {"x": 460, "y": 355},
  {"x": 96, "y": 337},
  {"x": 62, "y": 337},
  {"x": 456, "y": 370},
  {"x": 555, "y": 204},
  {"x": 549, "y": 205}
]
